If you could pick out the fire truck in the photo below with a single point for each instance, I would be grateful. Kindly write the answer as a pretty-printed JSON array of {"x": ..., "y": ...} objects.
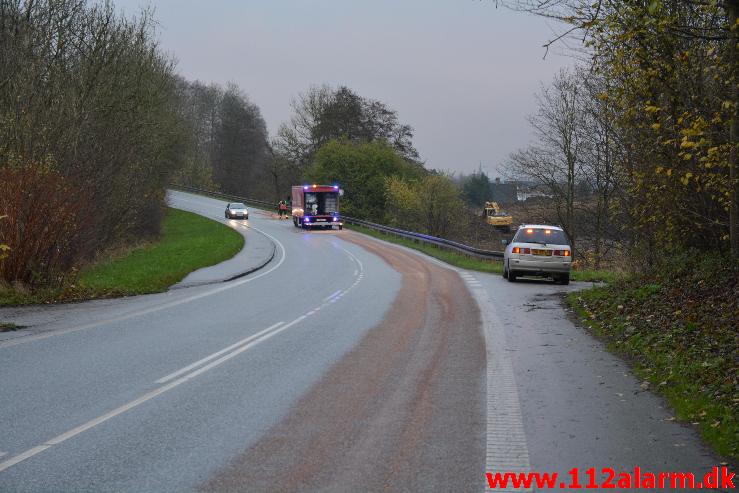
[{"x": 316, "y": 206}]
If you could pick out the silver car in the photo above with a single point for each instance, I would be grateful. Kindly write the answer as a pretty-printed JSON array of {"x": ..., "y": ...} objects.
[
  {"x": 236, "y": 210},
  {"x": 538, "y": 250}
]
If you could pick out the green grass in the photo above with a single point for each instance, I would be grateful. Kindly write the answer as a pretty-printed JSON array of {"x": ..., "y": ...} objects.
[
  {"x": 592, "y": 275},
  {"x": 7, "y": 326},
  {"x": 450, "y": 257},
  {"x": 188, "y": 242},
  {"x": 464, "y": 262},
  {"x": 678, "y": 330}
]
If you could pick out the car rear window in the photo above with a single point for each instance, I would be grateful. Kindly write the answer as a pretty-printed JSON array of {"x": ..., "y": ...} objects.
[
  {"x": 238, "y": 206},
  {"x": 541, "y": 235}
]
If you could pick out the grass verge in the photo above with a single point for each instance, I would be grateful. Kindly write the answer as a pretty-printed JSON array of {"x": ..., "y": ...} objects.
[
  {"x": 7, "y": 327},
  {"x": 188, "y": 242},
  {"x": 464, "y": 262},
  {"x": 679, "y": 331},
  {"x": 450, "y": 257}
]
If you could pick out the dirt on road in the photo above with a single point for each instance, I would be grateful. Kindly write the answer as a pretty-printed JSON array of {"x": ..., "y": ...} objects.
[{"x": 403, "y": 411}]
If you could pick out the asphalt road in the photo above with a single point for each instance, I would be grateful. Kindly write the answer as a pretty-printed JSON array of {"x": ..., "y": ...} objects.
[{"x": 343, "y": 364}]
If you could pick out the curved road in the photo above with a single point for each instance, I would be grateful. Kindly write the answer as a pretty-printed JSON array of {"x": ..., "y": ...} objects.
[{"x": 344, "y": 364}]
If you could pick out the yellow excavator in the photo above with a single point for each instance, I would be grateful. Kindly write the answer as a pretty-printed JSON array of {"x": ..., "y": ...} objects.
[{"x": 497, "y": 218}]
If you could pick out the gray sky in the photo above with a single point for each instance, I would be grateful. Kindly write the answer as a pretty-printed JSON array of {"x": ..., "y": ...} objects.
[{"x": 462, "y": 73}]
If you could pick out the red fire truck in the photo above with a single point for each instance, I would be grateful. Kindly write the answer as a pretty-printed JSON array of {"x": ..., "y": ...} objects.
[{"x": 316, "y": 206}]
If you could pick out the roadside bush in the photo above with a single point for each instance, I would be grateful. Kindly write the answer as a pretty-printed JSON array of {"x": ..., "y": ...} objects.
[
  {"x": 89, "y": 115},
  {"x": 430, "y": 205},
  {"x": 679, "y": 325},
  {"x": 4, "y": 248},
  {"x": 47, "y": 227}
]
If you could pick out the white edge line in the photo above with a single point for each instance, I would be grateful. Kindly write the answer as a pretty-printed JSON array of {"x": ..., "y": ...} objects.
[
  {"x": 21, "y": 457},
  {"x": 136, "y": 402},
  {"x": 265, "y": 334},
  {"x": 331, "y": 295},
  {"x": 359, "y": 262},
  {"x": 216, "y": 354},
  {"x": 156, "y": 308}
]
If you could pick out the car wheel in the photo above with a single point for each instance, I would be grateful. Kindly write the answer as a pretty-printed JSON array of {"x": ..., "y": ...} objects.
[
  {"x": 564, "y": 279},
  {"x": 246, "y": 217},
  {"x": 505, "y": 272},
  {"x": 511, "y": 276}
]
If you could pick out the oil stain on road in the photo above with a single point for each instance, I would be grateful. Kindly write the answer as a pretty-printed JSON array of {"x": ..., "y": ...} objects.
[{"x": 402, "y": 411}]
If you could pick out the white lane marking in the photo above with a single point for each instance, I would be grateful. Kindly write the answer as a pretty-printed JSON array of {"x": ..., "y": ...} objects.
[
  {"x": 359, "y": 264},
  {"x": 299, "y": 319},
  {"x": 166, "y": 387},
  {"x": 334, "y": 294},
  {"x": 506, "y": 448},
  {"x": 2, "y": 454},
  {"x": 216, "y": 354},
  {"x": 146, "y": 397},
  {"x": 21, "y": 457},
  {"x": 146, "y": 311}
]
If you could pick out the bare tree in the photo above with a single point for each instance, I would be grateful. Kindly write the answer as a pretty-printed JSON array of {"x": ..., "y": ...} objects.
[
  {"x": 89, "y": 107},
  {"x": 680, "y": 59},
  {"x": 555, "y": 160},
  {"x": 602, "y": 152}
]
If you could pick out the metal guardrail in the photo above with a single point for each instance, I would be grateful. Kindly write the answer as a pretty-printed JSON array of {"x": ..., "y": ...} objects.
[
  {"x": 411, "y": 235},
  {"x": 226, "y": 196},
  {"x": 433, "y": 240}
]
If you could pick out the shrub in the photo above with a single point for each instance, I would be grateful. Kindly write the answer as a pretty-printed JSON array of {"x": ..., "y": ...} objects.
[{"x": 47, "y": 228}]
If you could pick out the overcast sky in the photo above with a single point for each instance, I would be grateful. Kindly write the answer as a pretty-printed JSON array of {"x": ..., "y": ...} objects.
[{"x": 462, "y": 73}]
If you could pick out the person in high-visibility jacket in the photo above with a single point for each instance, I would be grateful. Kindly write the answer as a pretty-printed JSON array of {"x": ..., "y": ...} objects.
[{"x": 282, "y": 209}]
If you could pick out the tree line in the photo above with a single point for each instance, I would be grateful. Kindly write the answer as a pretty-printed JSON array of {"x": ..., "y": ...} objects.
[
  {"x": 636, "y": 145},
  {"x": 228, "y": 148},
  {"x": 338, "y": 136},
  {"x": 89, "y": 133},
  {"x": 648, "y": 120},
  {"x": 94, "y": 124}
]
